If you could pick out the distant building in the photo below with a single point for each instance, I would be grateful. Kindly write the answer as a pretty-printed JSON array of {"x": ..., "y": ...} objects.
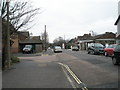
[
  {"x": 105, "y": 39},
  {"x": 84, "y": 40},
  {"x": 118, "y": 24}
]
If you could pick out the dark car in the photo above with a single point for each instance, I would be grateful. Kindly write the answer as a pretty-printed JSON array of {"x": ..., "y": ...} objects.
[
  {"x": 116, "y": 55},
  {"x": 75, "y": 48},
  {"x": 95, "y": 48},
  {"x": 28, "y": 49},
  {"x": 109, "y": 50}
]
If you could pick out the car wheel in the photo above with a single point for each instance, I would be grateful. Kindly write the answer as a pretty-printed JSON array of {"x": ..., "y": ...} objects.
[
  {"x": 93, "y": 52},
  {"x": 115, "y": 61},
  {"x": 106, "y": 54},
  {"x": 88, "y": 52}
]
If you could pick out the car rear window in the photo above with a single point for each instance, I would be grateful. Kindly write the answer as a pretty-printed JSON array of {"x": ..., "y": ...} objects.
[
  {"x": 57, "y": 47},
  {"x": 99, "y": 45}
]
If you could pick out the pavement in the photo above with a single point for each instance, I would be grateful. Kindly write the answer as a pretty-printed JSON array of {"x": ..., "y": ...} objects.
[{"x": 35, "y": 72}]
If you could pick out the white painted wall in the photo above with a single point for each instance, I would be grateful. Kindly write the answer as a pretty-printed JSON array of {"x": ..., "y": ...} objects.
[
  {"x": 119, "y": 8},
  {"x": 118, "y": 25}
]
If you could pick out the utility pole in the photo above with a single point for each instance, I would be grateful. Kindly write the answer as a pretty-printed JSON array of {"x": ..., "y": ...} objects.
[
  {"x": 8, "y": 59},
  {"x": 45, "y": 39}
]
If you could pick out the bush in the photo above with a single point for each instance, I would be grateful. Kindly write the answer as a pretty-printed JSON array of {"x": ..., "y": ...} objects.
[{"x": 14, "y": 59}]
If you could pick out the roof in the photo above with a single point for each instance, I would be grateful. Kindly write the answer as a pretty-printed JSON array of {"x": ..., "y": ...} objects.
[
  {"x": 27, "y": 41},
  {"x": 85, "y": 37},
  {"x": 118, "y": 37},
  {"x": 107, "y": 35},
  {"x": 25, "y": 33},
  {"x": 117, "y": 20}
]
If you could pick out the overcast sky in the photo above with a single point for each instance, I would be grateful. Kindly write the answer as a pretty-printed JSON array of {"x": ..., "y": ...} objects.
[{"x": 73, "y": 18}]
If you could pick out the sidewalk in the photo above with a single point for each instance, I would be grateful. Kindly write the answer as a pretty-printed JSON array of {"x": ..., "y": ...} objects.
[{"x": 35, "y": 72}]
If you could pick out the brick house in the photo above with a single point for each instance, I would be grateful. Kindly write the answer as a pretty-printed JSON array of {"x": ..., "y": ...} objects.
[
  {"x": 15, "y": 38},
  {"x": 22, "y": 38},
  {"x": 34, "y": 41},
  {"x": 14, "y": 43}
]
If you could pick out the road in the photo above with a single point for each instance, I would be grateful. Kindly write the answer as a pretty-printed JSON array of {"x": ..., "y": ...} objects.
[
  {"x": 69, "y": 69},
  {"x": 96, "y": 71}
]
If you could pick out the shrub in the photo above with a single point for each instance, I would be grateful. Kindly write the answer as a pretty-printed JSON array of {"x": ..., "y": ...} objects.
[{"x": 14, "y": 59}]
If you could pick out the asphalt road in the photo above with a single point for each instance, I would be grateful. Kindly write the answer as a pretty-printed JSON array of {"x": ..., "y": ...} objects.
[
  {"x": 69, "y": 69},
  {"x": 96, "y": 71}
]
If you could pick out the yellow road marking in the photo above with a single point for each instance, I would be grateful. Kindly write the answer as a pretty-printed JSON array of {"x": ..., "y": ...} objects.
[
  {"x": 44, "y": 54},
  {"x": 72, "y": 84},
  {"x": 73, "y": 75}
]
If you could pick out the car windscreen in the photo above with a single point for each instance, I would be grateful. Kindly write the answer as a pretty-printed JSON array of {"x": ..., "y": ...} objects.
[
  {"x": 75, "y": 47},
  {"x": 28, "y": 46}
]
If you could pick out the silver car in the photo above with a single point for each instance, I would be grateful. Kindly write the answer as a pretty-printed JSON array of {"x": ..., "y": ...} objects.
[{"x": 57, "y": 49}]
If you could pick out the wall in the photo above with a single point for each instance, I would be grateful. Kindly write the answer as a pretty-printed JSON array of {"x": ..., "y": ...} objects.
[
  {"x": 38, "y": 48},
  {"x": 118, "y": 26},
  {"x": 15, "y": 45},
  {"x": 0, "y": 43}
]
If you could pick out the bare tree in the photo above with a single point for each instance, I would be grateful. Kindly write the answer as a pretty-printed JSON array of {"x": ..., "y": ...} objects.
[
  {"x": 21, "y": 14},
  {"x": 58, "y": 41}
]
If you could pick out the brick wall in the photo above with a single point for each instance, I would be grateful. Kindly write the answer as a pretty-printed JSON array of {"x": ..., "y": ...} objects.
[
  {"x": 38, "y": 48},
  {"x": 15, "y": 45}
]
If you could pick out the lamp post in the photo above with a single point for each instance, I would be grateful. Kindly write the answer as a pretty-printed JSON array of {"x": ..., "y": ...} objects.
[{"x": 45, "y": 39}]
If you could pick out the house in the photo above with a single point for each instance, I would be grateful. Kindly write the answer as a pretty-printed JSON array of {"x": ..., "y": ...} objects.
[
  {"x": 14, "y": 43},
  {"x": 118, "y": 24},
  {"x": 22, "y": 38},
  {"x": 70, "y": 43},
  {"x": 84, "y": 40},
  {"x": 106, "y": 38},
  {"x": 0, "y": 43},
  {"x": 15, "y": 38},
  {"x": 34, "y": 41}
]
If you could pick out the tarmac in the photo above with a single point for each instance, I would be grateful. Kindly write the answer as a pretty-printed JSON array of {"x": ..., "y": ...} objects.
[{"x": 35, "y": 71}]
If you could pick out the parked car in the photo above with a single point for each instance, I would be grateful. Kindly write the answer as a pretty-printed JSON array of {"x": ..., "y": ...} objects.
[
  {"x": 49, "y": 48},
  {"x": 95, "y": 48},
  {"x": 75, "y": 48},
  {"x": 57, "y": 49},
  {"x": 116, "y": 55},
  {"x": 108, "y": 51},
  {"x": 28, "y": 49}
]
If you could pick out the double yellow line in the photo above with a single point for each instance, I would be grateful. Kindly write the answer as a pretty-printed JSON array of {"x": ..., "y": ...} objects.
[
  {"x": 73, "y": 75},
  {"x": 44, "y": 54}
]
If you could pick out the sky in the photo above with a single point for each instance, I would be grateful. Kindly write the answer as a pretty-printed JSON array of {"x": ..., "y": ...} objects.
[{"x": 72, "y": 18}]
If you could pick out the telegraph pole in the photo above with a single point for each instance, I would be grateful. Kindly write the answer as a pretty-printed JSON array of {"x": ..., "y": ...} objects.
[
  {"x": 45, "y": 39},
  {"x": 8, "y": 38}
]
